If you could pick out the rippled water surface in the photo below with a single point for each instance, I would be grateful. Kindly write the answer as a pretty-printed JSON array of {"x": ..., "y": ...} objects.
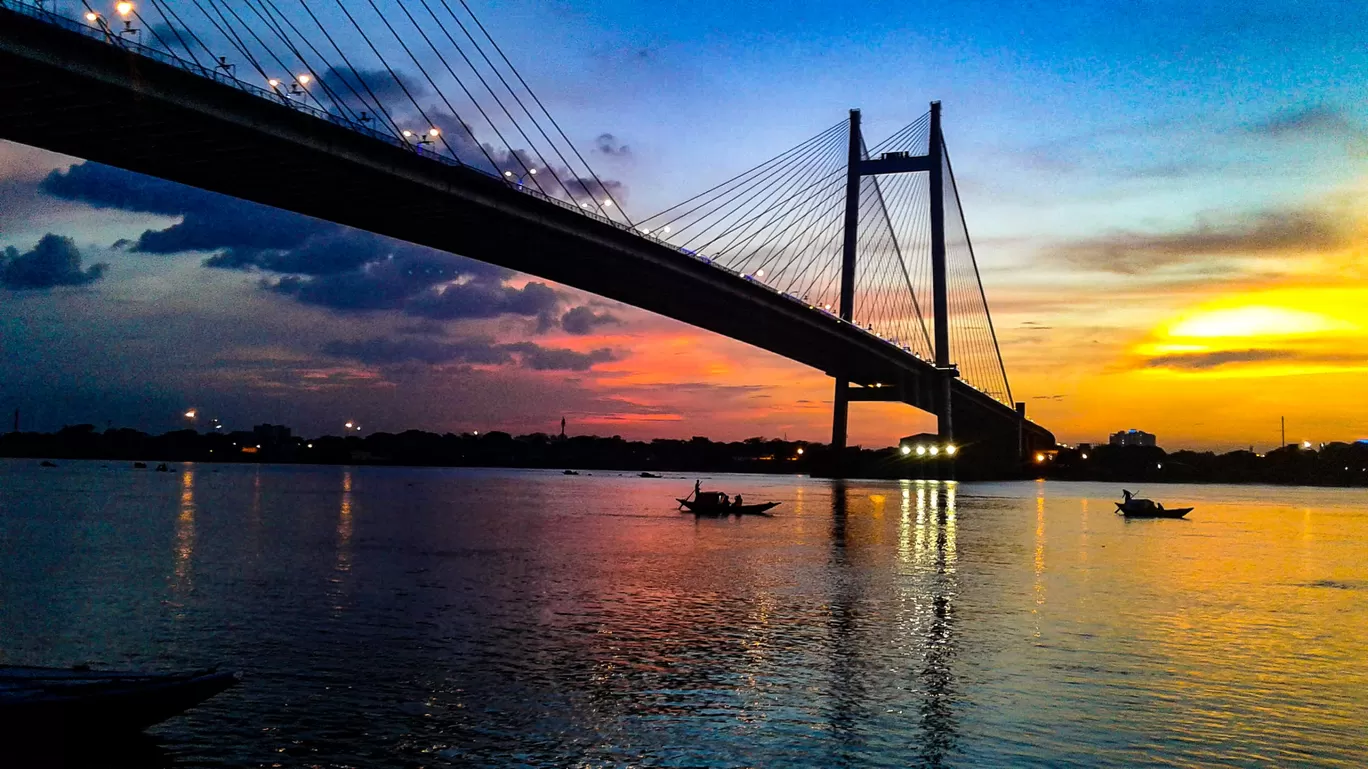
[{"x": 395, "y": 617}]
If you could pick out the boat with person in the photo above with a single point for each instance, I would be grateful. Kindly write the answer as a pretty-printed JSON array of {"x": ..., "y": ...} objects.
[
  {"x": 1135, "y": 507},
  {"x": 78, "y": 701},
  {"x": 717, "y": 504}
]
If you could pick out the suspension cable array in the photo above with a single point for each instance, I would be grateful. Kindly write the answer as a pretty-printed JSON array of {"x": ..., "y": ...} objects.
[
  {"x": 780, "y": 223},
  {"x": 425, "y": 73}
]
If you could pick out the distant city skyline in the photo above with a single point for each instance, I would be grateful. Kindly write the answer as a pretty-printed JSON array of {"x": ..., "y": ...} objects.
[{"x": 1169, "y": 206}]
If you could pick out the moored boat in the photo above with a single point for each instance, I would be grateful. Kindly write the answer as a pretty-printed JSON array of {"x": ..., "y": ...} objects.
[{"x": 80, "y": 701}]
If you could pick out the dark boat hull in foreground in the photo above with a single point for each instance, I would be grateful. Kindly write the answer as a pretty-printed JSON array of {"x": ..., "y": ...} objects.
[
  {"x": 83, "y": 702},
  {"x": 1152, "y": 512},
  {"x": 719, "y": 510}
]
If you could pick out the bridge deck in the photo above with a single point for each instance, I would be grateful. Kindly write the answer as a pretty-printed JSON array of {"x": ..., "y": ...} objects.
[{"x": 68, "y": 93}]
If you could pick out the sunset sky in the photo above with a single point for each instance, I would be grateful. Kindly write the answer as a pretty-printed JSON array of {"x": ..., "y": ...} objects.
[{"x": 1169, "y": 203}]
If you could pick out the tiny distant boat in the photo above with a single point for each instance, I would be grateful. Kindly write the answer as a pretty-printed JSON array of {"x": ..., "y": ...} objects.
[
  {"x": 649, "y": 475},
  {"x": 1134, "y": 507},
  {"x": 139, "y": 465},
  {"x": 709, "y": 503},
  {"x": 569, "y": 472},
  {"x": 46, "y": 463},
  {"x": 80, "y": 701},
  {"x": 162, "y": 468}
]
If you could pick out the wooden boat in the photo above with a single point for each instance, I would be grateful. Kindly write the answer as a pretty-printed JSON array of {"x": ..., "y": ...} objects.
[
  {"x": 708, "y": 504},
  {"x": 80, "y": 701},
  {"x": 1157, "y": 511}
]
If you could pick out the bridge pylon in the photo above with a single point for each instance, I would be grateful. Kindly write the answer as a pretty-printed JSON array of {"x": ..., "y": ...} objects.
[{"x": 857, "y": 167}]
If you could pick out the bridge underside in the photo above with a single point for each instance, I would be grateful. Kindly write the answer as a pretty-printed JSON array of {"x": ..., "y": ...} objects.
[{"x": 70, "y": 94}]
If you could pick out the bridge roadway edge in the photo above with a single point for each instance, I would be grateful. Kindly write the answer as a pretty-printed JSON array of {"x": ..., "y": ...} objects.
[{"x": 82, "y": 97}]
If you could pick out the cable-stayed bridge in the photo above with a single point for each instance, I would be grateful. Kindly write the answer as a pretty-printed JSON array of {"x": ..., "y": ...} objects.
[{"x": 408, "y": 120}]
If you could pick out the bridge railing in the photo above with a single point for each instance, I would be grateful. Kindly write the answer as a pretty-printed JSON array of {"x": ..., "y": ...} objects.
[{"x": 110, "y": 36}]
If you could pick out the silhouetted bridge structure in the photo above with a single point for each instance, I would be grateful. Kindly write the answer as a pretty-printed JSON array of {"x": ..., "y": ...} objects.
[{"x": 827, "y": 254}]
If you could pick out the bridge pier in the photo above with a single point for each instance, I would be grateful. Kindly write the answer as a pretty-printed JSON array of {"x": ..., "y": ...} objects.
[{"x": 840, "y": 404}]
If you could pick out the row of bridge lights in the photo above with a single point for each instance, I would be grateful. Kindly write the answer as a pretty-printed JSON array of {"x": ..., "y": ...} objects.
[
  {"x": 923, "y": 450},
  {"x": 299, "y": 86}
]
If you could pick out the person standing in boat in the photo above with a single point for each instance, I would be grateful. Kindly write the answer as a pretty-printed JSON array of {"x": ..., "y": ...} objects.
[{"x": 737, "y": 501}]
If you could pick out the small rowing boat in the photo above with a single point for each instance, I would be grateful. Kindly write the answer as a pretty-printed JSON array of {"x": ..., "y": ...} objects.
[
  {"x": 716, "y": 510},
  {"x": 1134, "y": 507},
  {"x": 81, "y": 701}
]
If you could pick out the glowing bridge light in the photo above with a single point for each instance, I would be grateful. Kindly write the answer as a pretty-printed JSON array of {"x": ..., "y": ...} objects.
[
  {"x": 906, "y": 450},
  {"x": 434, "y": 133},
  {"x": 1085, "y": 456},
  {"x": 800, "y": 450},
  {"x": 124, "y": 8},
  {"x": 1040, "y": 458},
  {"x": 759, "y": 273},
  {"x": 935, "y": 450},
  {"x": 274, "y": 83},
  {"x": 1306, "y": 444},
  {"x": 304, "y": 79},
  {"x": 951, "y": 449},
  {"x": 190, "y": 414},
  {"x": 92, "y": 17},
  {"x": 921, "y": 451}
]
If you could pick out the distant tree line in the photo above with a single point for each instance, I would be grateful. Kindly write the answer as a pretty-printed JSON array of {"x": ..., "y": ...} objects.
[{"x": 1334, "y": 464}]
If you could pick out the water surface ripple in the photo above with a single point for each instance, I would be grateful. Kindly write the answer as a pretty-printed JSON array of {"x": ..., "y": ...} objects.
[{"x": 397, "y": 617}]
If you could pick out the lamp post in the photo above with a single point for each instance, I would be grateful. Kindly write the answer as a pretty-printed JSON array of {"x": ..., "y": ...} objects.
[
  {"x": 520, "y": 177},
  {"x": 421, "y": 138}
]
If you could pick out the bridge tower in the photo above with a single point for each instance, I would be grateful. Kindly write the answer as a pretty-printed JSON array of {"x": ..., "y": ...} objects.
[{"x": 858, "y": 166}]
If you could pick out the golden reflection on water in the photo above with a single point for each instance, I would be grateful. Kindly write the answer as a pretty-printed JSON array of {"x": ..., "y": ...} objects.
[
  {"x": 184, "y": 548},
  {"x": 343, "y": 564}
]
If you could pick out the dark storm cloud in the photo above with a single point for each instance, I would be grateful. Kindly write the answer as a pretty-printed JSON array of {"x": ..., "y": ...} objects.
[
  {"x": 385, "y": 351},
  {"x": 390, "y": 284},
  {"x": 1317, "y": 121},
  {"x": 609, "y": 145},
  {"x": 104, "y": 186},
  {"x": 484, "y": 299},
  {"x": 357, "y": 89},
  {"x": 1268, "y": 232},
  {"x": 583, "y": 320},
  {"x": 559, "y": 359},
  {"x": 54, "y": 261}
]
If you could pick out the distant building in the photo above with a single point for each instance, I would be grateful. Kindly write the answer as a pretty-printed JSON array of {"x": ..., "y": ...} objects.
[
  {"x": 1132, "y": 438},
  {"x": 271, "y": 435}
]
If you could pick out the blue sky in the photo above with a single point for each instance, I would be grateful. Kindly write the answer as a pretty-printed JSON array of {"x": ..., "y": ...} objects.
[{"x": 1171, "y": 154}]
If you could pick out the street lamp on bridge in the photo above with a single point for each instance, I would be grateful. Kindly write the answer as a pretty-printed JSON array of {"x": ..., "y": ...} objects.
[
  {"x": 419, "y": 139},
  {"x": 520, "y": 177}
]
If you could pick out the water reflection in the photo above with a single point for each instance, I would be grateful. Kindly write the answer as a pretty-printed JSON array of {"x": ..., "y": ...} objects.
[
  {"x": 927, "y": 555},
  {"x": 938, "y": 717},
  {"x": 184, "y": 548},
  {"x": 343, "y": 563}
]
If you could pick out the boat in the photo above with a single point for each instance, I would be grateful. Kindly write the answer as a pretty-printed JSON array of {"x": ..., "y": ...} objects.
[
  {"x": 569, "y": 472},
  {"x": 84, "y": 702},
  {"x": 1134, "y": 507},
  {"x": 709, "y": 503},
  {"x": 139, "y": 465},
  {"x": 46, "y": 463},
  {"x": 648, "y": 475},
  {"x": 162, "y": 468}
]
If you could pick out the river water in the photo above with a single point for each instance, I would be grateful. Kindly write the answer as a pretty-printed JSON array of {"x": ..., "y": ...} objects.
[{"x": 402, "y": 617}]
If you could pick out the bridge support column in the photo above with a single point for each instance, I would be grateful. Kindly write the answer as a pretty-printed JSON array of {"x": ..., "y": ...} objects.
[
  {"x": 840, "y": 404},
  {"x": 939, "y": 290}
]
